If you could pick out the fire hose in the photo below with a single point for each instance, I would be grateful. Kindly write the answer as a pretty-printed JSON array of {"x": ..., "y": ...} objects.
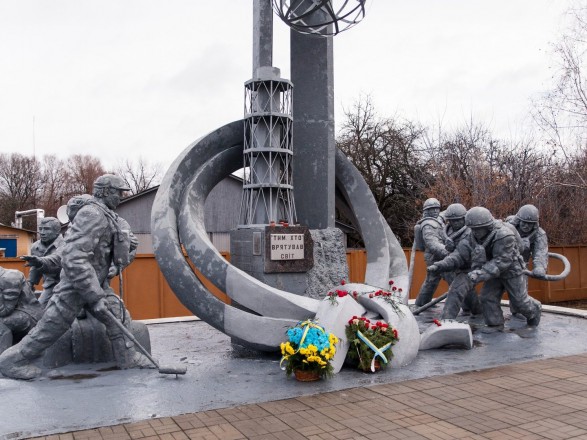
[{"x": 566, "y": 270}]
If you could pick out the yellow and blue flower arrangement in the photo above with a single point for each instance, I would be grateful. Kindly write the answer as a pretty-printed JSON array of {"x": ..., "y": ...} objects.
[{"x": 309, "y": 348}]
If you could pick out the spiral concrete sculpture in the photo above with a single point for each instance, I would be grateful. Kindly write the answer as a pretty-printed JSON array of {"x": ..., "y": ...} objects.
[{"x": 177, "y": 220}]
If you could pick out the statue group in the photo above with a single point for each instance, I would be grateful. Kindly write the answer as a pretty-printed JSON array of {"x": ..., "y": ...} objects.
[
  {"x": 76, "y": 272},
  {"x": 463, "y": 247},
  {"x": 468, "y": 247}
]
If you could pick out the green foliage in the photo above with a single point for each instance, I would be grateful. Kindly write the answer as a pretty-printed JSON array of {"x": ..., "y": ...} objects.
[{"x": 379, "y": 334}]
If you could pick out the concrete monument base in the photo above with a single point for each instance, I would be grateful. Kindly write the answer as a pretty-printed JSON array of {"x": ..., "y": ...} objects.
[{"x": 328, "y": 261}]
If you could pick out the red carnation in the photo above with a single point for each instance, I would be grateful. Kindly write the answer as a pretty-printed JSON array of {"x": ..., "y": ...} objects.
[
  {"x": 343, "y": 282},
  {"x": 390, "y": 282},
  {"x": 342, "y": 293},
  {"x": 437, "y": 322},
  {"x": 394, "y": 288},
  {"x": 370, "y": 295}
]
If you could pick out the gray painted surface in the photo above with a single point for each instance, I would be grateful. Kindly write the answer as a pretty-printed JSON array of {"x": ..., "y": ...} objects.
[
  {"x": 448, "y": 333},
  {"x": 262, "y": 34},
  {"x": 385, "y": 257},
  {"x": 313, "y": 129},
  {"x": 222, "y": 206},
  {"x": 219, "y": 376}
]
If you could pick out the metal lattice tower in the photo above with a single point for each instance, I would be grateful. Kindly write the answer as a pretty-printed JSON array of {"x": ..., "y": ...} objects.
[{"x": 268, "y": 150}]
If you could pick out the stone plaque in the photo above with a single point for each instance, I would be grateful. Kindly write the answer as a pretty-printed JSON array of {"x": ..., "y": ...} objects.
[
  {"x": 286, "y": 246},
  {"x": 288, "y": 249}
]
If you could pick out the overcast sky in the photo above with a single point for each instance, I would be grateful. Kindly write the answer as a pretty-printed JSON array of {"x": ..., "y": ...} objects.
[{"x": 130, "y": 78}]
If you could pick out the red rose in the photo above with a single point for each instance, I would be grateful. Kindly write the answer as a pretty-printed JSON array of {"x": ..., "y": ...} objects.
[
  {"x": 394, "y": 288},
  {"x": 395, "y": 333},
  {"x": 390, "y": 282},
  {"x": 343, "y": 282},
  {"x": 341, "y": 294}
]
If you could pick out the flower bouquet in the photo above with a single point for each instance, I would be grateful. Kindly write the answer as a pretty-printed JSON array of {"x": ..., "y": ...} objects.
[
  {"x": 308, "y": 351},
  {"x": 370, "y": 344}
]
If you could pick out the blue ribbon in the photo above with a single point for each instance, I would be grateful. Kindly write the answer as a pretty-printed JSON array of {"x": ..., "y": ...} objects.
[{"x": 378, "y": 351}]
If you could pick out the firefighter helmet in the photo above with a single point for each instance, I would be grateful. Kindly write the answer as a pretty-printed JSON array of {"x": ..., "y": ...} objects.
[
  {"x": 431, "y": 203},
  {"x": 455, "y": 211},
  {"x": 478, "y": 217},
  {"x": 528, "y": 214},
  {"x": 112, "y": 181}
]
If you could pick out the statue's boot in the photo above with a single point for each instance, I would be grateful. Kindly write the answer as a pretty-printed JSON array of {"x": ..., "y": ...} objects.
[
  {"x": 535, "y": 320},
  {"x": 14, "y": 365},
  {"x": 127, "y": 356}
]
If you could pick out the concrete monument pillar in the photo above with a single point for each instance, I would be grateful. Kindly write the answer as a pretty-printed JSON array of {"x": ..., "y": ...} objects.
[{"x": 313, "y": 107}]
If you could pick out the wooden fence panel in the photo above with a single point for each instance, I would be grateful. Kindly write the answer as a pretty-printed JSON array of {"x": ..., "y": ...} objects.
[{"x": 147, "y": 294}]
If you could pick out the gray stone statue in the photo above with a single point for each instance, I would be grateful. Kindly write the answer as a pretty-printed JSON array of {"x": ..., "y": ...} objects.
[
  {"x": 489, "y": 255},
  {"x": 93, "y": 242},
  {"x": 428, "y": 237},
  {"x": 455, "y": 231},
  {"x": 19, "y": 309},
  {"x": 50, "y": 241},
  {"x": 534, "y": 243}
]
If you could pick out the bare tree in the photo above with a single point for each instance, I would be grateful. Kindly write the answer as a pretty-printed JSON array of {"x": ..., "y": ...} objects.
[
  {"x": 387, "y": 153},
  {"x": 473, "y": 168},
  {"x": 21, "y": 182},
  {"x": 55, "y": 191},
  {"x": 139, "y": 175},
  {"x": 561, "y": 112},
  {"x": 82, "y": 171}
]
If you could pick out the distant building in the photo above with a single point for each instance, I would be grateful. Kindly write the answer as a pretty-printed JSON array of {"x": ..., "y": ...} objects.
[
  {"x": 15, "y": 242},
  {"x": 221, "y": 213}
]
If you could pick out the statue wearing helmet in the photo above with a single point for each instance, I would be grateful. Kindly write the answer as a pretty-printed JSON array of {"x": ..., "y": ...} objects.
[
  {"x": 534, "y": 243},
  {"x": 87, "y": 255},
  {"x": 456, "y": 230},
  {"x": 490, "y": 254},
  {"x": 428, "y": 236}
]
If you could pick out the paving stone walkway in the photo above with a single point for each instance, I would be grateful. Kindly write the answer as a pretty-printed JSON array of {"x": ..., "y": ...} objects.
[{"x": 543, "y": 399}]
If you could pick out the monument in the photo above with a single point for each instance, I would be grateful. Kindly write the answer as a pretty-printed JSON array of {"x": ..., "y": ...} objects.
[{"x": 270, "y": 293}]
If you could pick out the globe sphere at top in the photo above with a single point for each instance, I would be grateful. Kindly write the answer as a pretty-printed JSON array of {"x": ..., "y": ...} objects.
[{"x": 320, "y": 17}]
